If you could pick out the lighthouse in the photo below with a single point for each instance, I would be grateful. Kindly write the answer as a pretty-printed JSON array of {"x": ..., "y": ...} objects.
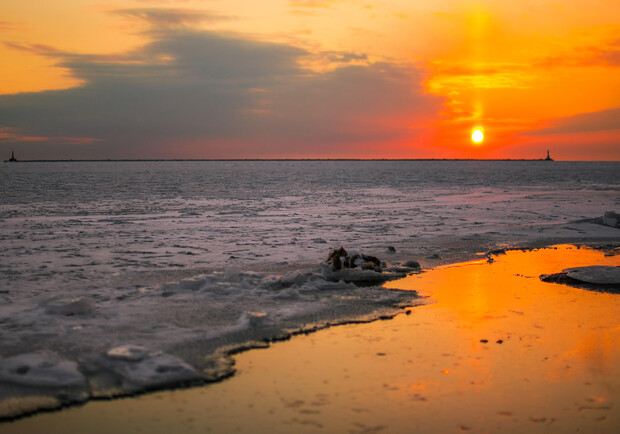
[{"x": 12, "y": 159}]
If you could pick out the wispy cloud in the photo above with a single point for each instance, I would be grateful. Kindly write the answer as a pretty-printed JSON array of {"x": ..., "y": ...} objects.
[
  {"x": 514, "y": 75},
  {"x": 7, "y": 26},
  {"x": 608, "y": 55},
  {"x": 66, "y": 56},
  {"x": 13, "y": 135},
  {"x": 314, "y": 3},
  {"x": 344, "y": 56},
  {"x": 171, "y": 17},
  {"x": 480, "y": 76}
]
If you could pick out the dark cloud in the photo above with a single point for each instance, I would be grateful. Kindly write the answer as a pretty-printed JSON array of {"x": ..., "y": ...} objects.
[
  {"x": 370, "y": 103},
  {"x": 604, "y": 120},
  {"x": 202, "y": 94}
]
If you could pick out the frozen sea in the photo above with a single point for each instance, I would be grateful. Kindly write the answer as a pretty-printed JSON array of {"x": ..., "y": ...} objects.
[{"x": 118, "y": 277}]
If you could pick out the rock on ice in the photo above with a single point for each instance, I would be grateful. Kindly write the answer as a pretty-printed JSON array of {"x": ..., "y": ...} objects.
[
  {"x": 340, "y": 258},
  {"x": 612, "y": 219}
]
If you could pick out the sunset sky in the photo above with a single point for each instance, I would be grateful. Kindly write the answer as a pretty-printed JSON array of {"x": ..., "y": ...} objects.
[{"x": 309, "y": 79}]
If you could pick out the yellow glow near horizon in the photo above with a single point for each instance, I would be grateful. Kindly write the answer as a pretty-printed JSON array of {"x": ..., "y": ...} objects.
[{"x": 477, "y": 135}]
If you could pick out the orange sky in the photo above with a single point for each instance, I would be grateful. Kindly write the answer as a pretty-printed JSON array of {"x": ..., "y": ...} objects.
[{"x": 310, "y": 78}]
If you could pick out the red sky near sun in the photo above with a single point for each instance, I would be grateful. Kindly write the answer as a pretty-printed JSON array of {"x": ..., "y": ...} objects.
[{"x": 310, "y": 79}]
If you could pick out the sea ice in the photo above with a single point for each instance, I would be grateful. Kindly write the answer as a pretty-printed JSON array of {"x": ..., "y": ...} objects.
[
  {"x": 41, "y": 370},
  {"x": 69, "y": 306},
  {"x": 39, "y": 380},
  {"x": 136, "y": 369},
  {"x": 356, "y": 275},
  {"x": 130, "y": 353},
  {"x": 97, "y": 255}
]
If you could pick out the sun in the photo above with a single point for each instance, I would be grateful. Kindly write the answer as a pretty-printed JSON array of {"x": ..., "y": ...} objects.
[{"x": 477, "y": 134}]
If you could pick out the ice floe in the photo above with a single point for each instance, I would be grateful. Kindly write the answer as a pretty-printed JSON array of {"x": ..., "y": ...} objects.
[
  {"x": 132, "y": 368},
  {"x": 69, "y": 306},
  {"x": 604, "y": 277},
  {"x": 599, "y": 274},
  {"x": 42, "y": 370},
  {"x": 39, "y": 380}
]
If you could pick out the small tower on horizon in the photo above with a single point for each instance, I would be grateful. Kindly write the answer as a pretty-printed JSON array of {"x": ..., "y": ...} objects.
[
  {"x": 12, "y": 159},
  {"x": 548, "y": 157}
]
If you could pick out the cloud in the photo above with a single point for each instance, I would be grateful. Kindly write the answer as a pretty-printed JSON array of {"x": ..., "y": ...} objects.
[
  {"x": 170, "y": 17},
  {"x": 202, "y": 94},
  {"x": 604, "y": 120},
  {"x": 66, "y": 57},
  {"x": 607, "y": 55},
  {"x": 498, "y": 75},
  {"x": 479, "y": 75},
  {"x": 344, "y": 56},
  {"x": 39, "y": 49},
  {"x": 13, "y": 135},
  {"x": 378, "y": 102},
  {"x": 7, "y": 26},
  {"x": 313, "y": 3}
]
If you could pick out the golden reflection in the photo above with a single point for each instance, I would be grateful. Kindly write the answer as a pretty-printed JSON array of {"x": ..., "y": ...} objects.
[{"x": 496, "y": 304}]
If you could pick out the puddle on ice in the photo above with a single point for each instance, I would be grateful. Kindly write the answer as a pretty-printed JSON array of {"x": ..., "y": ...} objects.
[{"x": 498, "y": 350}]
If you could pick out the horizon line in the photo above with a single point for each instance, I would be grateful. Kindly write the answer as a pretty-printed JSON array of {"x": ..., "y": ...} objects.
[{"x": 112, "y": 160}]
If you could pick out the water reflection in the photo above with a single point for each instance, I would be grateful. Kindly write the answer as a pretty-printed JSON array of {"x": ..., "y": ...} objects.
[{"x": 505, "y": 301}]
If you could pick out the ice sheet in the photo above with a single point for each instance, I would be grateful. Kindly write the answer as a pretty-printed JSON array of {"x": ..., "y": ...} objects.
[{"x": 188, "y": 259}]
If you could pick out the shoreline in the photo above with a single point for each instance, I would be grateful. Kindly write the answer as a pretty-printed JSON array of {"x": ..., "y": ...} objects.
[
  {"x": 418, "y": 395},
  {"x": 224, "y": 357}
]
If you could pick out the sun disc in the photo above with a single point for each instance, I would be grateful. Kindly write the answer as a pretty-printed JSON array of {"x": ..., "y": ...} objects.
[{"x": 477, "y": 135}]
